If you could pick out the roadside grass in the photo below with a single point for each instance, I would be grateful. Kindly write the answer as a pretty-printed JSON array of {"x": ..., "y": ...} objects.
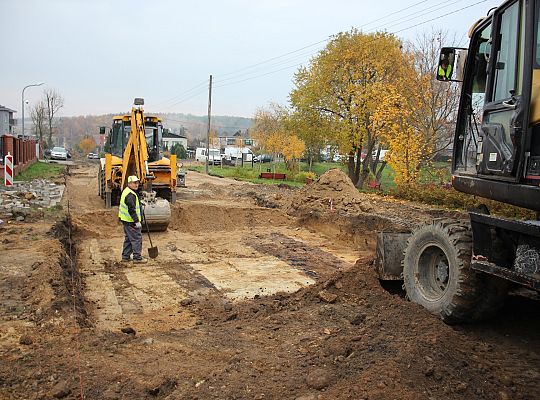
[{"x": 41, "y": 170}]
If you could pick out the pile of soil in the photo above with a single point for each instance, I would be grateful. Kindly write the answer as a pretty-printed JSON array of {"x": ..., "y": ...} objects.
[{"x": 333, "y": 190}]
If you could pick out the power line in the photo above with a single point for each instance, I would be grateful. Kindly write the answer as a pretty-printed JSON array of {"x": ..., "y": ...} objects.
[
  {"x": 182, "y": 93},
  {"x": 299, "y": 64},
  {"x": 395, "y": 12},
  {"x": 238, "y": 77},
  {"x": 427, "y": 11}
]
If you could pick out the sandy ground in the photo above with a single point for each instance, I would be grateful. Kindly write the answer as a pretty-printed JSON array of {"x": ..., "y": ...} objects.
[{"x": 258, "y": 293}]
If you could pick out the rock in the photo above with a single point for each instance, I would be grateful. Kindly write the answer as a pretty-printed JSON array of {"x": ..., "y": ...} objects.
[
  {"x": 60, "y": 390},
  {"x": 358, "y": 319},
  {"x": 227, "y": 306},
  {"x": 20, "y": 218},
  {"x": 186, "y": 302},
  {"x": 148, "y": 341},
  {"x": 503, "y": 395},
  {"x": 429, "y": 370},
  {"x": 507, "y": 381},
  {"x": 460, "y": 388},
  {"x": 307, "y": 397},
  {"x": 339, "y": 285},
  {"x": 128, "y": 330},
  {"x": 327, "y": 296},
  {"x": 318, "y": 379},
  {"x": 26, "y": 340},
  {"x": 231, "y": 317}
]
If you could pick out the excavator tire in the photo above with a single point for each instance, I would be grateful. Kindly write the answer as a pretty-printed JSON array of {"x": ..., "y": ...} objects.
[{"x": 437, "y": 273}]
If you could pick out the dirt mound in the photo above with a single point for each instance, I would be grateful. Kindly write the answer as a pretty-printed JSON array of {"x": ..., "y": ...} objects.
[
  {"x": 95, "y": 223},
  {"x": 333, "y": 190}
]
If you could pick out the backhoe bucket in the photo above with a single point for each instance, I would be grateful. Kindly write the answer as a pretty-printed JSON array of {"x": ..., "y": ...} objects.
[
  {"x": 158, "y": 214},
  {"x": 390, "y": 249}
]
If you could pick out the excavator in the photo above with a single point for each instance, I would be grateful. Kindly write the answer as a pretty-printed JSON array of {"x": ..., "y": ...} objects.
[
  {"x": 462, "y": 270},
  {"x": 133, "y": 147}
]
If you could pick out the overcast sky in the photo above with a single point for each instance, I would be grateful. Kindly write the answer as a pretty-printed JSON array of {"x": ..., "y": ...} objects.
[{"x": 101, "y": 54}]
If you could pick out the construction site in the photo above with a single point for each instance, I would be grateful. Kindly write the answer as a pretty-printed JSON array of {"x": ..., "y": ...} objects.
[
  {"x": 258, "y": 292},
  {"x": 388, "y": 248}
]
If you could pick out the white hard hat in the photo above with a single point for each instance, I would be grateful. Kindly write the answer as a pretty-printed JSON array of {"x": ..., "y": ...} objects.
[{"x": 133, "y": 178}]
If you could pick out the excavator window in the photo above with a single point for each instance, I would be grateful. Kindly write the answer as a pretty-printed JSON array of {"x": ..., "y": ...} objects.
[
  {"x": 475, "y": 89},
  {"x": 507, "y": 54}
]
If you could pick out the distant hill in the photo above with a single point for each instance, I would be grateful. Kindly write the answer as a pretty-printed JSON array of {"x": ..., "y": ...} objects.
[{"x": 73, "y": 129}]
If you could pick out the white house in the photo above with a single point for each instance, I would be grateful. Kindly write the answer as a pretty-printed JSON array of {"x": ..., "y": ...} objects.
[{"x": 170, "y": 139}]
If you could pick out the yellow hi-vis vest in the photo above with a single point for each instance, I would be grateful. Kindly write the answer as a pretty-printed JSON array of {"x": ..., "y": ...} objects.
[
  {"x": 445, "y": 74},
  {"x": 123, "y": 212}
]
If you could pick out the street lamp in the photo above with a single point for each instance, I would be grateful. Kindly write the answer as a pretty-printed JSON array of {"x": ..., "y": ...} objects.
[{"x": 22, "y": 103}]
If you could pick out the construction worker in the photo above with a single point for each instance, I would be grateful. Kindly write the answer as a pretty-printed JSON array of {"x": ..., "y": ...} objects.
[
  {"x": 445, "y": 70},
  {"x": 130, "y": 213}
]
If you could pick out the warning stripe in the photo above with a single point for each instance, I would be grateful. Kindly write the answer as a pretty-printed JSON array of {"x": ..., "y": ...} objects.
[{"x": 8, "y": 170}]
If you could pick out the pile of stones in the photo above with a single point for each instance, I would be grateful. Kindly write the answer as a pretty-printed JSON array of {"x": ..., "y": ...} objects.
[{"x": 17, "y": 201}]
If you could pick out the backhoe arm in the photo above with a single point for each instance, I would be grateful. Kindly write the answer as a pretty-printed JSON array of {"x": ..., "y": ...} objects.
[{"x": 135, "y": 159}]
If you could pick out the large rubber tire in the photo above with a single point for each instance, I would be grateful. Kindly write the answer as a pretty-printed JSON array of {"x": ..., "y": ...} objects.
[
  {"x": 101, "y": 185},
  {"x": 437, "y": 273}
]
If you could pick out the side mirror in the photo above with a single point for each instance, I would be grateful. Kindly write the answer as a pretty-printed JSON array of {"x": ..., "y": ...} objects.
[
  {"x": 102, "y": 130},
  {"x": 451, "y": 64}
]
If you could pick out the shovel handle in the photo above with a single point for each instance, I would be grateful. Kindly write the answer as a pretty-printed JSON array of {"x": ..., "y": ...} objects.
[{"x": 147, "y": 229}]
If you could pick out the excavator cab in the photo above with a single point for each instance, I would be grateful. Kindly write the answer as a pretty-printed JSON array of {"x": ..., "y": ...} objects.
[
  {"x": 496, "y": 140},
  {"x": 462, "y": 269}
]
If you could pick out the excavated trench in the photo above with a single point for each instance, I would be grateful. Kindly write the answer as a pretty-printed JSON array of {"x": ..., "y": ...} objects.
[{"x": 70, "y": 294}]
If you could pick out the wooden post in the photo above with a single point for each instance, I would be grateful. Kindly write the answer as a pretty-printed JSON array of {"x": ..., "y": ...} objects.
[{"x": 208, "y": 130}]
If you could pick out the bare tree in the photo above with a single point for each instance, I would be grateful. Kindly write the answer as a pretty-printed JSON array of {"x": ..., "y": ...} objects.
[
  {"x": 441, "y": 100},
  {"x": 38, "y": 112},
  {"x": 54, "y": 102}
]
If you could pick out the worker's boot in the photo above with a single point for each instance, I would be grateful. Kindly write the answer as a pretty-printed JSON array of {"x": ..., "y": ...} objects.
[{"x": 141, "y": 260}]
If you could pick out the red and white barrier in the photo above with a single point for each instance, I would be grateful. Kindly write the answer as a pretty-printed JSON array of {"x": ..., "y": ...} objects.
[{"x": 8, "y": 170}]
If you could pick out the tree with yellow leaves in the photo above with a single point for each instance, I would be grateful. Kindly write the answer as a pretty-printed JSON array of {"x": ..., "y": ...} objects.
[
  {"x": 272, "y": 129},
  {"x": 87, "y": 144},
  {"x": 392, "y": 119},
  {"x": 345, "y": 84}
]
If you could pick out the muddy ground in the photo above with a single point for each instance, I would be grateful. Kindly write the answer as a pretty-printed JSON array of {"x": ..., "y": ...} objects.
[{"x": 258, "y": 292}]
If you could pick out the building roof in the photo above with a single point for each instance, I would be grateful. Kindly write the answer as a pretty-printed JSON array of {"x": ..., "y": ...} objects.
[
  {"x": 4, "y": 108},
  {"x": 170, "y": 135}
]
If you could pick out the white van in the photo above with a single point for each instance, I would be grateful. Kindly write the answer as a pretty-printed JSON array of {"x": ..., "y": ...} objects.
[
  {"x": 215, "y": 156},
  {"x": 232, "y": 153}
]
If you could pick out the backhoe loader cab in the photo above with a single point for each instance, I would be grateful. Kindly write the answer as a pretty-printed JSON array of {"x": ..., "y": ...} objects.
[
  {"x": 461, "y": 270},
  {"x": 134, "y": 147},
  {"x": 121, "y": 131}
]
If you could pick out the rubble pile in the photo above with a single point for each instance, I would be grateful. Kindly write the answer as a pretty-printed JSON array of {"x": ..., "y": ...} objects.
[{"x": 17, "y": 201}]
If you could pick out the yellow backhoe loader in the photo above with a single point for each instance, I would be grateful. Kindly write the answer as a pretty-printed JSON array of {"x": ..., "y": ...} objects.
[{"x": 133, "y": 147}]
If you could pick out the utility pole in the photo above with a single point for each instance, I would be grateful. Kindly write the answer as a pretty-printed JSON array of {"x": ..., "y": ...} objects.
[{"x": 208, "y": 130}]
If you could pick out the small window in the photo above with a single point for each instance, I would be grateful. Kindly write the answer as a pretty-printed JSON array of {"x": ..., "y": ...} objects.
[{"x": 506, "y": 62}]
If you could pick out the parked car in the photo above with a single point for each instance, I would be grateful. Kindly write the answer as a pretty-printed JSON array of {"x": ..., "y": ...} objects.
[
  {"x": 93, "y": 156},
  {"x": 59, "y": 153},
  {"x": 263, "y": 158}
]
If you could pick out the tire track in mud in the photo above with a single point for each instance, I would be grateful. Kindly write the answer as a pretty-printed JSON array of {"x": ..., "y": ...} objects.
[{"x": 313, "y": 261}]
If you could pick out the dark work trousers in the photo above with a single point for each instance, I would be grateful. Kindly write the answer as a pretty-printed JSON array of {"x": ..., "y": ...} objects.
[{"x": 132, "y": 241}]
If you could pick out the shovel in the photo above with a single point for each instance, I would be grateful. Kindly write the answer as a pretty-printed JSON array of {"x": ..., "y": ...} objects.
[{"x": 152, "y": 251}]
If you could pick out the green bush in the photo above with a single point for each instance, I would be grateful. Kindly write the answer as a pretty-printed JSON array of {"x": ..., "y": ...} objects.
[{"x": 304, "y": 177}]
